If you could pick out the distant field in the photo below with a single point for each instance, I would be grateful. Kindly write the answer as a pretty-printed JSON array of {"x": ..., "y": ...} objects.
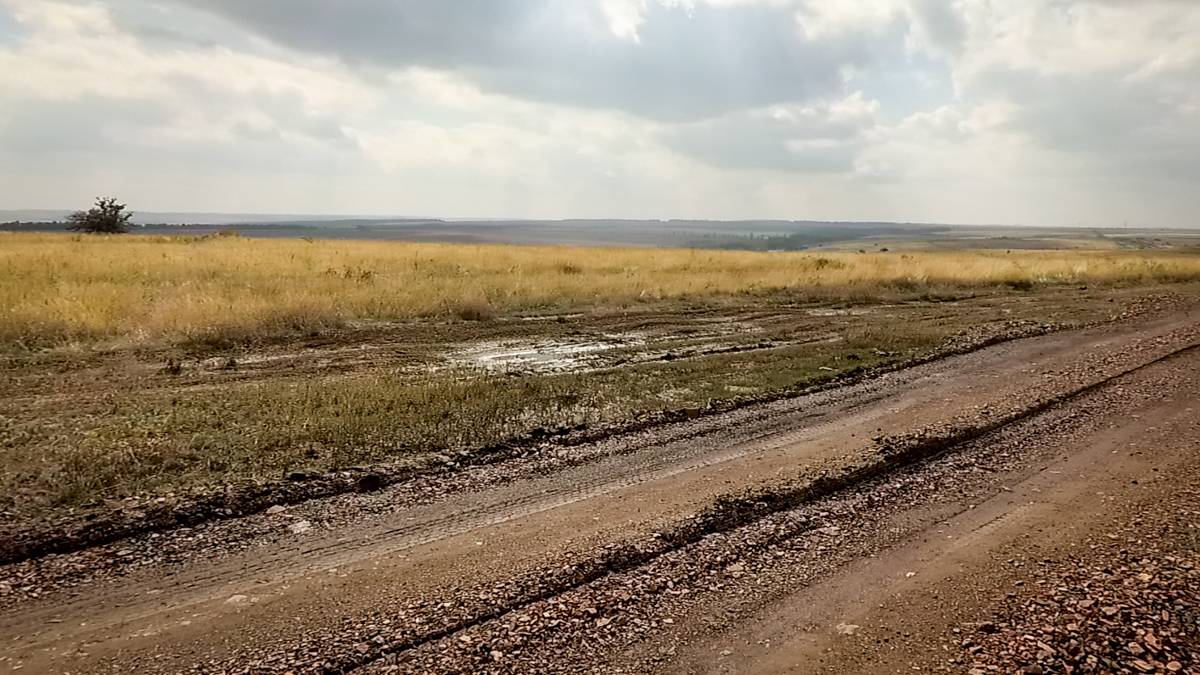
[
  {"x": 738, "y": 235},
  {"x": 60, "y": 289}
]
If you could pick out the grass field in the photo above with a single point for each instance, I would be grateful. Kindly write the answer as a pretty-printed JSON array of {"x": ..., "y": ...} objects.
[
  {"x": 137, "y": 443},
  {"x": 74, "y": 432},
  {"x": 254, "y": 357},
  {"x": 62, "y": 289}
]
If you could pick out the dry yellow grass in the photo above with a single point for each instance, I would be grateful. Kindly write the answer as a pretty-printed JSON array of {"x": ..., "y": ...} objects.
[{"x": 64, "y": 288}]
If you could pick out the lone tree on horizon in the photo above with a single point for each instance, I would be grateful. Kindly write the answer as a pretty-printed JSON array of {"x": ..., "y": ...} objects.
[{"x": 106, "y": 217}]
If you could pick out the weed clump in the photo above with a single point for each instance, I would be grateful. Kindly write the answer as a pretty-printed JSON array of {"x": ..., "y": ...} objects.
[{"x": 474, "y": 310}]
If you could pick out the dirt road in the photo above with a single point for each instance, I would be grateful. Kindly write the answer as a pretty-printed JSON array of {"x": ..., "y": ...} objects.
[{"x": 861, "y": 529}]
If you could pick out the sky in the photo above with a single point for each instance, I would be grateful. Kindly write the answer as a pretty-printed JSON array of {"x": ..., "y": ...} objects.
[{"x": 1039, "y": 112}]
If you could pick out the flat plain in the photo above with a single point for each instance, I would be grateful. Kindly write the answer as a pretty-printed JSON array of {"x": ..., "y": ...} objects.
[{"x": 424, "y": 457}]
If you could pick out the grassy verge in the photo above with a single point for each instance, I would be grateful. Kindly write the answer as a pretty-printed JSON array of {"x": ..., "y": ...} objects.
[
  {"x": 61, "y": 289},
  {"x": 70, "y": 447},
  {"x": 264, "y": 429}
]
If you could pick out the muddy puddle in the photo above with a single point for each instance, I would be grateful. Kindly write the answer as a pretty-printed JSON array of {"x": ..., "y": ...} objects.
[
  {"x": 546, "y": 355},
  {"x": 648, "y": 341},
  {"x": 593, "y": 352}
]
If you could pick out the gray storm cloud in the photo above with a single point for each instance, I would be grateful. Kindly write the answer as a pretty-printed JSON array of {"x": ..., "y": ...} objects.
[{"x": 688, "y": 61}]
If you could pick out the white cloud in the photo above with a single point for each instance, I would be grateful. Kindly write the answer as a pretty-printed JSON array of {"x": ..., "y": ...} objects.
[
  {"x": 960, "y": 110},
  {"x": 818, "y": 137},
  {"x": 819, "y": 19},
  {"x": 624, "y": 17}
]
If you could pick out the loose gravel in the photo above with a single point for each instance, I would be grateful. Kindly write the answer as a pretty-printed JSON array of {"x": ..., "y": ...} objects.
[
  {"x": 583, "y": 608},
  {"x": 1130, "y": 603}
]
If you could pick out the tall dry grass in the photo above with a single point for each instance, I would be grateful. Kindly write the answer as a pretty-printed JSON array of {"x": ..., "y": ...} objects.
[{"x": 62, "y": 288}]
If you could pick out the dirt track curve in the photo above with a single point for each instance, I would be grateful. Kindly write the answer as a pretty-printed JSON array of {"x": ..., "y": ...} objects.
[{"x": 854, "y": 530}]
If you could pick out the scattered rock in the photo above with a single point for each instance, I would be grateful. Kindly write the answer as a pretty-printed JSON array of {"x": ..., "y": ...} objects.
[{"x": 1108, "y": 608}]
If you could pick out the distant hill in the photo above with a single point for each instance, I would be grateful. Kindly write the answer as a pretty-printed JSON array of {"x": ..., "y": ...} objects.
[{"x": 750, "y": 235}]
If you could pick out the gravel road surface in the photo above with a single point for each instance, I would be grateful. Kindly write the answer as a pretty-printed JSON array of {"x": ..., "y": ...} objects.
[{"x": 1027, "y": 507}]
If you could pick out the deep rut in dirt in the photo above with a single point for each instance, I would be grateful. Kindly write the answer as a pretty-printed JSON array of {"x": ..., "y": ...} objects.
[
  {"x": 728, "y": 513},
  {"x": 777, "y": 547},
  {"x": 477, "y": 554}
]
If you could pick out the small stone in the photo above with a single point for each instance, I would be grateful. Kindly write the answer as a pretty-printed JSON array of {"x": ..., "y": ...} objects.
[
  {"x": 237, "y": 600},
  {"x": 847, "y": 628},
  {"x": 276, "y": 510},
  {"x": 300, "y": 527}
]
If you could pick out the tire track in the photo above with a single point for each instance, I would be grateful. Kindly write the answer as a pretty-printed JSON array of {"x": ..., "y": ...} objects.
[
  {"x": 912, "y": 396},
  {"x": 732, "y": 512}
]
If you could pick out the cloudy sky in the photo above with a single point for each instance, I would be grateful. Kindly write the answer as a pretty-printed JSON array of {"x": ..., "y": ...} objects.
[{"x": 1053, "y": 112}]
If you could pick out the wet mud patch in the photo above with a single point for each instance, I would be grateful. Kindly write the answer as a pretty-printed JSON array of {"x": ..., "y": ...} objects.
[
  {"x": 544, "y": 355},
  {"x": 582, "y": 353}
]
